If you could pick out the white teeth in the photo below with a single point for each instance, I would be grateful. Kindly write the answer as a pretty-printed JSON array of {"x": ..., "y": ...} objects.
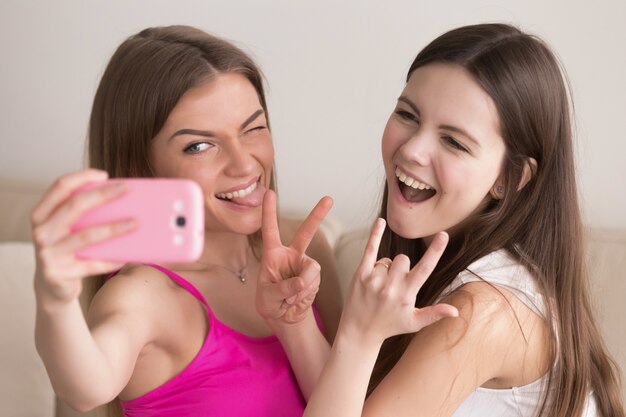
[
  {"x": 238, "y": 193},
  {"x": 411, "y": 182}
]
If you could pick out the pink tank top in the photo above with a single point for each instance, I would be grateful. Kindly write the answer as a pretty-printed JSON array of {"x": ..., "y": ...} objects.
[{"x": 232, "y": 375}]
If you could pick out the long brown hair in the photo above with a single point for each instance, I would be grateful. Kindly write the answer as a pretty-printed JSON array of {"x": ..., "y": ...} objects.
[
  {"x": 142, "y": 83},
  {"x": 540, "y": 225}
]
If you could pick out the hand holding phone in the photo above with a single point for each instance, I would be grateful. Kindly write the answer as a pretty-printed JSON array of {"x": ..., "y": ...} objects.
[{"x": 169, "y": 217}]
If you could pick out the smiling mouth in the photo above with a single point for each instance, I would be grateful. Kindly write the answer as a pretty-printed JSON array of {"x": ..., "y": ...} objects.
[
  {"x": 413, "y": 190},
  {"x": 238, "y": 193},
  {"x": 248, "y": 195}
]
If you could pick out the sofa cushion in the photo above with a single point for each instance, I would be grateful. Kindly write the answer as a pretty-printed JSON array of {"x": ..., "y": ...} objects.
[
  {"x": 24, "y": 386},
  {"x": 16, "y": 202},
  {"x": 348, "y": 253},
  {"x": 607, "y": 276}
]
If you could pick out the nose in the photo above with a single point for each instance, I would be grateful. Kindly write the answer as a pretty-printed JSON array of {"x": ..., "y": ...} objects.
[
  {"x": 240, "y": 161},
  {"x": 418, "y": 149}
]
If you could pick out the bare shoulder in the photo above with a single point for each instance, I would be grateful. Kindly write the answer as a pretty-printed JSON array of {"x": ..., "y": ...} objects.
[
  {"x": 481, "y": 301},
  {"x": 493, "y": 311},
  {"x": 497, "y": 340},
  {"x": 136, "y": 291},
  {"x": 487, "y": 345},
  {"x": 488, "y": 318}
]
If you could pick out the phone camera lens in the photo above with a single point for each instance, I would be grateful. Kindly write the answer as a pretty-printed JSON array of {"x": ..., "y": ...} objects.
[{"x": 180, "y": 221}]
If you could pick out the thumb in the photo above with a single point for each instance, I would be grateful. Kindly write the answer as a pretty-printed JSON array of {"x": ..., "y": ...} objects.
[
  {"x": 289, "y": 288},
  {"x": 310, "y": 271},
  {"x": 310, "y": 275},
  {"x": 426, "y": 316}
]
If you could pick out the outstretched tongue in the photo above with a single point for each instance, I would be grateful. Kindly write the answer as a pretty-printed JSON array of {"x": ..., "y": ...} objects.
[
  {"x": 414, "y": 195},
  {"x": 254, "y": 199}
]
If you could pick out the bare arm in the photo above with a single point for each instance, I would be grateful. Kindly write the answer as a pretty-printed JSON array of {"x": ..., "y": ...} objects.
[
  {"x": 497, "y": 342},
  {"x": 444, "y": 362},
  {"x": 89, "y": 362},
  {"x": 442, "y": 366},
  {"x": 379, "y": 305},
  {"x": 87, "y": 367},
  {"x": 288, "y": 283},
  {"x": 306, "y": 347},
  {"x": 328, "y": 299}
]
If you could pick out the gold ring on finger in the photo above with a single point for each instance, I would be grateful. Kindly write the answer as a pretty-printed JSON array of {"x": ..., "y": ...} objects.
[{"x": 383, "y": 262}]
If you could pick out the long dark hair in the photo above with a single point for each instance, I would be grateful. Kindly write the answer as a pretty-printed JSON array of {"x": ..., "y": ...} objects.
[
  {"x": 142, "y": 83},
  {"x": 540, "y": 225}
]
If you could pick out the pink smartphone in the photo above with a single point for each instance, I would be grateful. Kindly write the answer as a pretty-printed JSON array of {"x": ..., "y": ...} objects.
[{"x": 170, "y": 222}]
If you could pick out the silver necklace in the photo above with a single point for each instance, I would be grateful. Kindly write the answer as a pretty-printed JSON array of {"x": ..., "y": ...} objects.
[{"x": 240, "y": 274}]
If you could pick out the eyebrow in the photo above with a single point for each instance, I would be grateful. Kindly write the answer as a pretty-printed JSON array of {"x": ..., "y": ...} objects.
[
  {"x": 210, "y": 134},
  {"x": 410, "y": 104},
  {"x": 252, "y": 118},
  {"x": 460, "y": 131},
  {"x": 446, "y": 127}
]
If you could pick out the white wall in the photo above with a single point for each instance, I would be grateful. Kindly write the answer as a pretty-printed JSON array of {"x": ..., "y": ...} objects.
[{"x": 334, "y": 70}]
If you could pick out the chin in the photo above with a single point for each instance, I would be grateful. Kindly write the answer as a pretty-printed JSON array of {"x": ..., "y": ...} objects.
[
  {"x": 404, "y": 230},
  {"x": 246, "y": 228},
  {"x": 241, "y": 226}
]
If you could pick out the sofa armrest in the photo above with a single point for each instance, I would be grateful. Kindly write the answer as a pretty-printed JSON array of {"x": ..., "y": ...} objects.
[
  {"x": 16, "y": 202},
  {"x": 24, "y": 386}
]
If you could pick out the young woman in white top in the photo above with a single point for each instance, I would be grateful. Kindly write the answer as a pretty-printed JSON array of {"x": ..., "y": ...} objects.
[{"x": 480, "y": 199}]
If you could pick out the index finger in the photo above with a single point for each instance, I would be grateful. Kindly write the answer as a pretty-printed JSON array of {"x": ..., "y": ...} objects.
[
  {"x": 62, "y": 189},
  {"x": 269, "y": 223},
  {"x": 373, "y": 243},
  {"x": 422, "y": 270},
  {"x": 309, "y": 226}
]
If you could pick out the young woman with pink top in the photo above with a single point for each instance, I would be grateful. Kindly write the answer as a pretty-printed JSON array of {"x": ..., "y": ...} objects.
[
  {"x": 176, "y": 340},
  {"x": 482, "y": 243}
]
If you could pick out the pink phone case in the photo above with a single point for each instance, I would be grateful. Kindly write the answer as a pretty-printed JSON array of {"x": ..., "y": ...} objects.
[{"x": 170, "y": 222}]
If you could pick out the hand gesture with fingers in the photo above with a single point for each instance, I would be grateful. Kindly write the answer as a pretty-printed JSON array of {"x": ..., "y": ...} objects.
[
  {"x": 289, "y": 279},
  {"x": 59, "y": 272},
  {"x": 381, "y": 300}
]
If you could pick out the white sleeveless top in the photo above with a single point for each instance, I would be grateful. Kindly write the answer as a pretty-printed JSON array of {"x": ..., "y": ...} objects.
[{"x": 499, "y": 268}]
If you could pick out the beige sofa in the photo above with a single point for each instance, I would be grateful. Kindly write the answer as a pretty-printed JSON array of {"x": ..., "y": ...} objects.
[{"x": 24, "y": 386}]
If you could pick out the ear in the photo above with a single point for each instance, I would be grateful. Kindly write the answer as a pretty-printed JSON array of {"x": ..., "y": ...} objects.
[
  {"x": 497, "y": 191},
  {"x": 530, "y": 167}
]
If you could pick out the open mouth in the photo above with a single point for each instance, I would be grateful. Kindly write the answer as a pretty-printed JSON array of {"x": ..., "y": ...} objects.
[{"x": 413, "y": 190}]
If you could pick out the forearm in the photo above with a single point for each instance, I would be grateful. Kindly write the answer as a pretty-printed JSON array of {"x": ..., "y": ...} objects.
[
  {"x": 307, "y": 350},
  {"x": 79, "y": 371},
  {"x": 342, "y": 386}
]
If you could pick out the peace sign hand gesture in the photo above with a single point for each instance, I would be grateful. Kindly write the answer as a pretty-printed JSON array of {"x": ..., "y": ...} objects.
[
  {"x": 381, "y": 300},
  {"x": 289, "y": 279}
]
